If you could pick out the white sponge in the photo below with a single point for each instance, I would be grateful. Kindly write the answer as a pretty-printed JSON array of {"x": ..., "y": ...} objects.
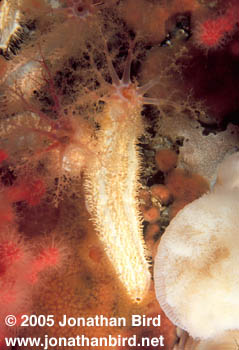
[
  {"x": 228, "y": 172},
  {"x": 196, "y": 268}
]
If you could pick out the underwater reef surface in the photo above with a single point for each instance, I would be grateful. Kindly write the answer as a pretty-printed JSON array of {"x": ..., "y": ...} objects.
[{"x": 114, "y": 116}]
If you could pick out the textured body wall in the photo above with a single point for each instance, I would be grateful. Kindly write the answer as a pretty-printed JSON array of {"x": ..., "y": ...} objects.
[{"x": 112, "y": 187}]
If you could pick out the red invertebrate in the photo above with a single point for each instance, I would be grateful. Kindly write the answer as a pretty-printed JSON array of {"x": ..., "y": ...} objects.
[
  {"x": 212, "y": 32},
  {"x": 51, "y": 256},
  {"x": 3, "y": 155}
]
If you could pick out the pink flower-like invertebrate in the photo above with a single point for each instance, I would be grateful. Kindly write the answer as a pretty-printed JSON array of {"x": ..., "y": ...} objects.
[
  {"x": 51, "y": 256},
  {"x": 212, "y": 32}
]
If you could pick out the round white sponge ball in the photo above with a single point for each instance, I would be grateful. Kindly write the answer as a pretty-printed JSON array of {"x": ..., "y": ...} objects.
[{"x": 196, "y": 268}]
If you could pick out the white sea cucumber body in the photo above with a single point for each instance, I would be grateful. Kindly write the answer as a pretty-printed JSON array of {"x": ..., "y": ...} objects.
[{"x": 112, "y": 183}]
